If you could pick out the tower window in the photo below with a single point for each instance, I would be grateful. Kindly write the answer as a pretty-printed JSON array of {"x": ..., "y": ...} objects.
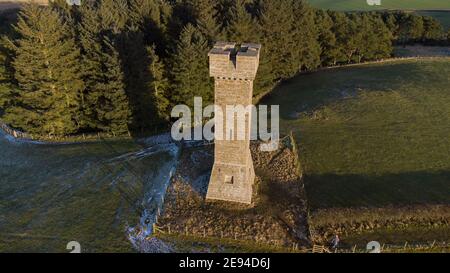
[{"x": 229, "y": 179}]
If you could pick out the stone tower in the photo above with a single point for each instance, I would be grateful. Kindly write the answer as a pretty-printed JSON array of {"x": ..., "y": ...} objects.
[{"x": 234, "y": 69}]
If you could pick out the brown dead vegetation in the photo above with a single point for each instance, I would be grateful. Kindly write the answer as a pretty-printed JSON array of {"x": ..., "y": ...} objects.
[
  {"x": 277, "y": 216},
  {"x": 325, "y": 223}
]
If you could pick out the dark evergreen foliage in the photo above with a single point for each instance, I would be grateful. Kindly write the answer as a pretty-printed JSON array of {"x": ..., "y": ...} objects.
[
  {"x": 48, "y": 73},
  {"x": 118, "y": 66}
]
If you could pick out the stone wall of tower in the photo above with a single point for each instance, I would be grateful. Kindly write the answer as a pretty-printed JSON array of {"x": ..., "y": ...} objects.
[
  {"x": 232, "y": 92},
  {"x": 234, "y": 69}
]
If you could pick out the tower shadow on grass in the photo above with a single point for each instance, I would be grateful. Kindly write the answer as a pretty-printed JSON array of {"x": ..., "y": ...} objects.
[{"x": 409, "y": 188}]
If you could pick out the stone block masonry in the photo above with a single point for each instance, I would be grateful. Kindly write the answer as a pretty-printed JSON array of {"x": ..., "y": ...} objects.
[{"x": 234, "y": 69}]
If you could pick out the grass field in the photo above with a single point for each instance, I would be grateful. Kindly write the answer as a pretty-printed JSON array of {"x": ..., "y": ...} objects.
[
  {"x": 345, "y": 5},
  {"x": 372, "y": 135},
  {"x": 439, "y": 9},
  {"x": 52, "y": 194}
]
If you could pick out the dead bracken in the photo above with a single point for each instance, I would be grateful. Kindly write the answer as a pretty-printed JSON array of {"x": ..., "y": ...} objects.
[{"x": 277, "y": 216}]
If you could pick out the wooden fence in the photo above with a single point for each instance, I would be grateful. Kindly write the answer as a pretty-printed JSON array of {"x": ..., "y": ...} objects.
[
  {"x": 12, "y": 132},
  {"x": 295, "y": 247},
  {"x": 401, "y": 248},
  {"x": 222, "y": 237},
  {"x": 72, "y": 138}
]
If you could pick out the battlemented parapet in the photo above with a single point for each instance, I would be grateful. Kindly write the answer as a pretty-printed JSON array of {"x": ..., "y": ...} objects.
[
  {"x": 234, "y": 68},
  {"x": 226, "y": 60}
]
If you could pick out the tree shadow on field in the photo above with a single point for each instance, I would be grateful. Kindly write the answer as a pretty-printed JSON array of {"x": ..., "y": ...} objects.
[
  {"x": 308, "y": 92},
  {"x": 135, "y": 61},
  {"x": 410, "y": 188}
]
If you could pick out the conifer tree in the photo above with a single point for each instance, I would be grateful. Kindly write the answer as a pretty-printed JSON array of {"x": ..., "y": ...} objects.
[
  {"x": 182, "y": 13},
  {"x": 190, "y": 73},
  {"x": 105, "y": 104},
  {"x": 133, "y": 52},
  {"x": 133, "y": 73},
  {"x": 124, "y": 25},
  {"x": 382, "y": 48},
  {"x": 8, "y": 91},
  {"x": 326, "y": 38},
  {"x": 390, "y": 21},
  {"x": 242, "y": 27},
  {"x": 362, "y": 37},
  {"x": 307, "y": 47},
  {"x": 152, "y": 17},
  {"x": 206, "y": 14},
  {"x": 114, "y": 14},
  {"x": 47, "y": 69},
  {"x": 345, "y": 30},
  {"x": 410, "y": 28},
  {"x": 115, "y": 109},
  {"x": 159, "y": 85},
  {"x": 373, "y": 31},
  {"x": 279, "y": 41},
  {"x": 64, "y": 9},
  {"x": 432, "y": 29},
  {"x": 338, "y": 29},
  {"x": 225, "y": 9}
]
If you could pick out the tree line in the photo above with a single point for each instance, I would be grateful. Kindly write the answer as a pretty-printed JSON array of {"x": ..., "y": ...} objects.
[
  {"x": 411, "y": 28},
  {"x": 118, "y": 66}
]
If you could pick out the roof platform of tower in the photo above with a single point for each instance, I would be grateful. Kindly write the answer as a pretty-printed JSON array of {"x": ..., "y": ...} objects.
[
  {"x": 231, "y": 49},
  {"x": 232, "y": 60}
]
